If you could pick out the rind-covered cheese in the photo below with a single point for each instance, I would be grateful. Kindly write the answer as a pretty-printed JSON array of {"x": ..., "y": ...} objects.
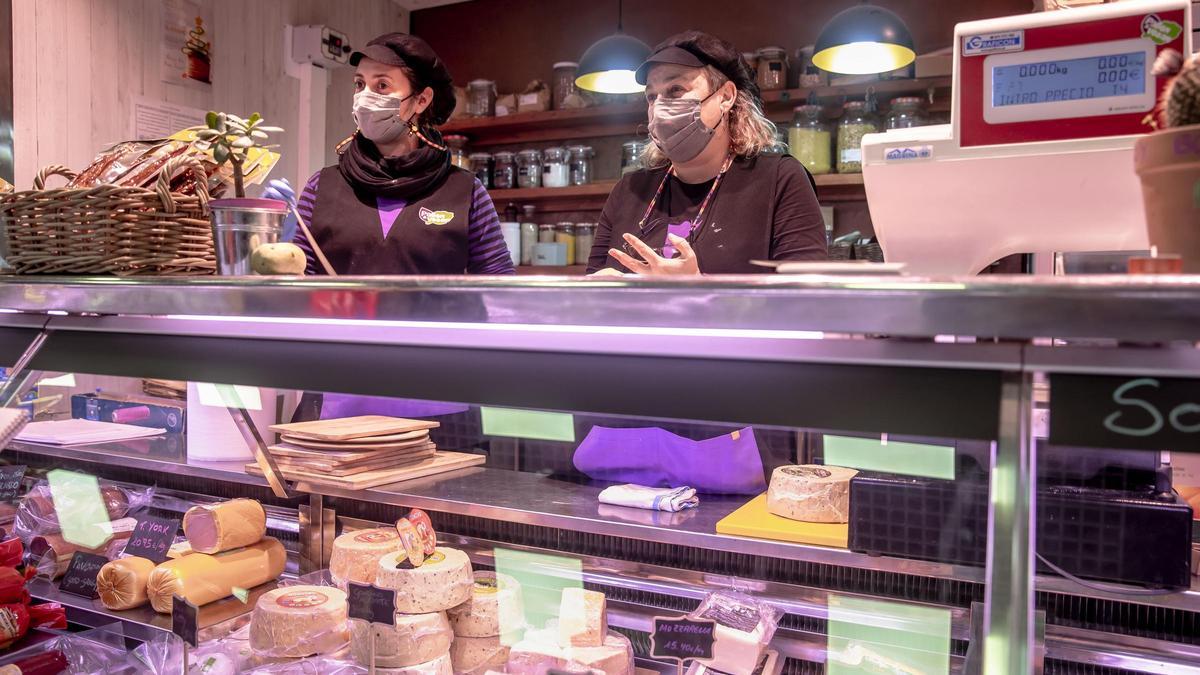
[
  {"x": 614, "y": 657},
  {"x": 225, "y": 526},
  {"x": 416, "y": 638},
  {"x": 439, "y": 666},
  {"x": 582, "y": 618},
  {"x": 535, "y": 654},
  {"x": 297, "y": 621},
  {"x": 356, "y": 555},
  {"x": 443, "y": 581},
  {"x": 478, "y": 655},
  {"x": 203, "y": 578},
  {"x": 495, "y": 607},
  {"x": 811, "y": 493},
  {"x": 122, "y": 583}
]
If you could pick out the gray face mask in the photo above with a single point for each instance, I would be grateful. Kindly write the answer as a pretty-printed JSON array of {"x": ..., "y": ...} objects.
[
  {"x": 677, "y": 130},
  {"x": 378, "y": 116}
]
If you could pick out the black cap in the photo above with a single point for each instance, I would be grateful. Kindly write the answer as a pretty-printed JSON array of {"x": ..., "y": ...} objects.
[
  {"x": 696, "y": 49},
  {"x": 402, "y": 49}
]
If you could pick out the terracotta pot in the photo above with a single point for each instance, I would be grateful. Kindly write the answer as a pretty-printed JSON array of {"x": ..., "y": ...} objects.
[{"x": 1168, "y": 163}]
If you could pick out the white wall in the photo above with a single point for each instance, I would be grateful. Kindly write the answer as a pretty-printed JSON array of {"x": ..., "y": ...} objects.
[{"x": 79, "y": 65}]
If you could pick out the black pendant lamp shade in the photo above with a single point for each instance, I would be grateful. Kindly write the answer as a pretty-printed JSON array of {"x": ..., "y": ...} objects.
[
  {"x": 862, "y": 40},
  {"x": 609, "y": 65}
]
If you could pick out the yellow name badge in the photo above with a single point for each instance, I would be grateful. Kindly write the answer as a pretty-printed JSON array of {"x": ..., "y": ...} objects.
[{"x": 436, "y": 217}]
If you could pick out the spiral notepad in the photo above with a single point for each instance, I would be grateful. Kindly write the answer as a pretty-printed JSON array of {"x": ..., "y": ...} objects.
[{"x": 12, "y": 421}]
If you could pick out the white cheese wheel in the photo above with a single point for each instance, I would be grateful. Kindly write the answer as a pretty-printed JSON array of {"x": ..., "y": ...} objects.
[
  {"x": 614, "y": 657},
  {"x": 225, "y": 526},
  {"x": 495, "y": 607},
  {"x": 478, "y": 655},
  {"x": 811, "y": 493},
  {"x": 537, "y": 653},
  {"x": 297, "y": 621},
  {"x": 416, "y": 638},
  {"x": 439, "y": 666},
  {"x": 582, "y": 618},
  {"x": 443, "y": 581},
  {"x": 356, "y": 555}
]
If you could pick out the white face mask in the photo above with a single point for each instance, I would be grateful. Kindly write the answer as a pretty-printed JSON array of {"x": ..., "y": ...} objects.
[{"x": 378, "y": 116}]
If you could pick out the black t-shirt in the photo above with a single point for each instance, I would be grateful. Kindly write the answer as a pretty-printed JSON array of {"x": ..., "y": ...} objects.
[{"x": 764, "y": 209}]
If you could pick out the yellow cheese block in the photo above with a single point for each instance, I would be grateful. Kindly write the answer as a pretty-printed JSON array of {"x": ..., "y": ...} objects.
[
  {"x": 203, "y": 578},
  {"x": 122, "y": 583},
  {"x": 225, "y": 526},
  {"x": 754, "y": 520}
]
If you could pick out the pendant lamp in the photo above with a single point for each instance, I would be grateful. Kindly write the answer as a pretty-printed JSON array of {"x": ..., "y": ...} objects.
[
  {"x": 862, "y": 40},
  {"x": 609, "y": 65}
]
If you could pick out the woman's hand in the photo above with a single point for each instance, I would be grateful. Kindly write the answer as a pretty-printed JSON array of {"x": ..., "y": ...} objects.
[{"x": 653, "y": 264}]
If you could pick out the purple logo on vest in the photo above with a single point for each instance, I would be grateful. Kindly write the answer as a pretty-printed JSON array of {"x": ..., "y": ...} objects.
[{"x": 436, "y": 217}]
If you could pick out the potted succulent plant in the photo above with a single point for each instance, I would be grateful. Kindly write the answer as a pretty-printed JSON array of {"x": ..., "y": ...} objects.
[
  {"x": 240, "y": 225},
  {"x": 1168, "y": 163}
]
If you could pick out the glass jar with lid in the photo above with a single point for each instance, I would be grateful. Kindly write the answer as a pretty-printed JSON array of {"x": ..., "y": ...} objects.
[
  {"x": 455, "y": 145},
  {"x": 481, "y": 98},
  {"x": 481, "y": 166},
  {"x": 564, "y": 233},
  {"x": 529, "y": 168},
  {"x": 582, "y": 157},
  {"x": 546, "y": 233},
  {"x": 504, "y": 171},
  {"x": 810, "y": 139},
  {"x": 631, "y": 156},
  {"x": 563, "y": 84},
  {"x": 529, "y": 233},
  {"x": 907, "y": 112},
  {"x": 856, "y": 123},
  {"x": 772, "y": 68},
  {"x": 585, "y": 236},
  {"x": 556, "y": 171}
]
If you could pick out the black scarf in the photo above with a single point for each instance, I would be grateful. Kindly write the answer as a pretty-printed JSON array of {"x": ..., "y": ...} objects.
[{"x": 404, "y": 177}]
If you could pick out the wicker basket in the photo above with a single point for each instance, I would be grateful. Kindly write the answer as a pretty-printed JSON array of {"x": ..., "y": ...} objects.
[{"x": 110, "y": 229}]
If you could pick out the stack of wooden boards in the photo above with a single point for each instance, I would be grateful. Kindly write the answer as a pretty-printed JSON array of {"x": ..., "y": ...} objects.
[{"x": 361, "y": 452}]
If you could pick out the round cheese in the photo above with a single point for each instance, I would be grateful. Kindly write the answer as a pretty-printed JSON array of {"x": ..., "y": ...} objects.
[
  {"x": 443, "y": 581},
  {"x": 416, "y": 638},
  {"x": 297, "y": 621},
  {"x": 122, "y": 583},
  {"x": 811, "y": 493},
  {"x": 614, "y": 657},
  {"x": 536, "y": 654},
  {"x": 356, "y": 555},
  {"x": 475, "y": 656},
  {"x": 439, "y": 666},
  {"x": 495, "y": 607}
]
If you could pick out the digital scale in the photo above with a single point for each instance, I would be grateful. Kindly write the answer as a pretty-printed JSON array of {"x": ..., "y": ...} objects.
[{"x": 1038, "y": 157}]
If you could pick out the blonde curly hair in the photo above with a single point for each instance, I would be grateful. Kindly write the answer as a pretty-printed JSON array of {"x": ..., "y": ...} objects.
[{"x": 750, "y": 132}]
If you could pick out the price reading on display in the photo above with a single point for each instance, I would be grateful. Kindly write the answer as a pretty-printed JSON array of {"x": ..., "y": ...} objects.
[
  {"x": 152, "y": 538},
  {"x": 1061, "y": 80},
  {"x": 683, "y": 639},
  {"x": 10, "y": 481}
]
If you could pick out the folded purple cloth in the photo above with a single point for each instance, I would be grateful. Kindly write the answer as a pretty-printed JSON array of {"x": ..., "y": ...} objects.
[{"x": 727, "y": 464}]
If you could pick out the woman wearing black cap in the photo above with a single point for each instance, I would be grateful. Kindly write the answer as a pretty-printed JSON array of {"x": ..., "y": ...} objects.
[
  {"x": 709, "y": 201},
  {"x": 394, "y": 204}
]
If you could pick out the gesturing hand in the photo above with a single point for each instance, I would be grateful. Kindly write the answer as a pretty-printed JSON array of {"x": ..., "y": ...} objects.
[{"x": 653, "y": 264}]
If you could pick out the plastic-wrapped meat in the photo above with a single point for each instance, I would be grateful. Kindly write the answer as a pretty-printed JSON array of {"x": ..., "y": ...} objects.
[
  {"x": 146, "y": 171},
  {"x": 50, "y": 662},
  {"x": 112, "y": 163}
]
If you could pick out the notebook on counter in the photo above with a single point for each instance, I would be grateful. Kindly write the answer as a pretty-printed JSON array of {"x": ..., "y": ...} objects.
[{"x": 80, "y": 432}]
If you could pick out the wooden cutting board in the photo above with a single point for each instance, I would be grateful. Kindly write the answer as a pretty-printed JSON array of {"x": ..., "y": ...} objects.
[
  {"x": 289, "y": 450},
  {"x": 350, "y": 428},
  {"x": 336, "y": 469},
  {"x": 441, "y": 462},
  {"x": 373, "y": 443},
  {"x": 754, "y": 520}
]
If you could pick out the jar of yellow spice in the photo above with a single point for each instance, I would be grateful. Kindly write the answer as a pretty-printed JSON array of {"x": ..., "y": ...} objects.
[{"x": 810, "y": 139}]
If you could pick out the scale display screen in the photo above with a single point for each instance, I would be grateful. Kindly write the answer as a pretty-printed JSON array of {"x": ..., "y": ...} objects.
[
  {"x": 1070, "y": 79},
  {"x": 1089, "y": 80}
]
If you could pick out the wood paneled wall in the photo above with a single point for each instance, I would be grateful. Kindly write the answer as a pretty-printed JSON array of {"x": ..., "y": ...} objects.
[
  {"x": 515, "y": 41},
  {"x": 79, "y": 65}
]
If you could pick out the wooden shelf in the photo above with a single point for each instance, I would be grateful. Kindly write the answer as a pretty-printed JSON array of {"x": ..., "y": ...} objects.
[
  {"x": 883, "y": 89},
  {"x": 551, "y": 271}
]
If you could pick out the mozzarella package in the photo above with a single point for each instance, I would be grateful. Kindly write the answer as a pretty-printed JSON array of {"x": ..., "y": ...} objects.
[{"x": 744, "y": 628}]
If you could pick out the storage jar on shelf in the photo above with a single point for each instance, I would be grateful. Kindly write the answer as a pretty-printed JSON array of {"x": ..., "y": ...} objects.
[
  {"x": 631, "y": 156},
  {"x": 556, "y": 171},
  {"x": 481, "y": 98},
  {"x": 772, "y": 68},
  {"x": 529, "y": 233},
  {"x": 481, "y": 166},
  {"x": 458, "y": 154},
  {"x": 907, "y": 112},
  {"x": 585, "y": 237},
  {"x": 856, "y": 123},
  {"x": 529, "y": 168},
  {"x": 582, "y": 157},
  {"x": 810, "y": 139},
  {"x": 564, "y": 82},
  {"x": 564, "y": 233},
  {"x": 504, "y": 171},
  {"x": 546, "y": 233}
]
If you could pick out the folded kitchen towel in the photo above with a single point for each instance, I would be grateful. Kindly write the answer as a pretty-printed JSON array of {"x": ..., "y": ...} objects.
[{"x": 657, "y": 499}]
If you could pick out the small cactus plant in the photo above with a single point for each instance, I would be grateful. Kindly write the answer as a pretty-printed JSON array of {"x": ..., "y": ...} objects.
[{"x": 1180, "y": 104}]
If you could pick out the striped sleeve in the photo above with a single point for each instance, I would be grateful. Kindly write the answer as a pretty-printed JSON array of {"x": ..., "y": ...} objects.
[
  {"x": 485, "y": 240},
  {"x": 306, "y": 204}
]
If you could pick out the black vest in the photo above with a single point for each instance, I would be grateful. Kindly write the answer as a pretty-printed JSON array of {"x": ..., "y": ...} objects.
[{"x": 428, "y": 237}]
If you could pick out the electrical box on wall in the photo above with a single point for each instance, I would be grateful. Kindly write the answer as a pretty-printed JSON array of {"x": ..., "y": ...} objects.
[{"x": 320, "y": 46}]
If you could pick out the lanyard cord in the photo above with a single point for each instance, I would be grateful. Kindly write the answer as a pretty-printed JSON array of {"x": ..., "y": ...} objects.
[{"x": 703, "y": 206}]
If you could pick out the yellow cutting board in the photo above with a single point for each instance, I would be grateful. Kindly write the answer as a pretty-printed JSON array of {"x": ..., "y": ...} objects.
[{"x": 754, "y": 520}]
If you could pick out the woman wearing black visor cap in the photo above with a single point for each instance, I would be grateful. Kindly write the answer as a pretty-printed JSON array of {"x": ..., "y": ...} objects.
[
  {"x": 709, "y": 201},
  {"x": 393, "y": 204}
]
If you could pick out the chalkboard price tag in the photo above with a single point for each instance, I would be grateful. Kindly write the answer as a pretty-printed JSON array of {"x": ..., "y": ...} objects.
[
  {"x": 377, "y": 605},
  {"x": 1124, "y": 412},
  {"x": 185, "y": 620},
  {"x": 80, "y": 578},
  {"x": 10, "y": 481},
  {"x": 683, "y": 639},
  {"x": 152, "y": 538}
]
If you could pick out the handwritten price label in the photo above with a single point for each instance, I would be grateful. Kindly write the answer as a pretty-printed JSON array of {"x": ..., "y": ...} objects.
[
  {"x": 11, "y": 478},
  {"x": 683, "y": 639},
  {"x": 152, "y": 538}
]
